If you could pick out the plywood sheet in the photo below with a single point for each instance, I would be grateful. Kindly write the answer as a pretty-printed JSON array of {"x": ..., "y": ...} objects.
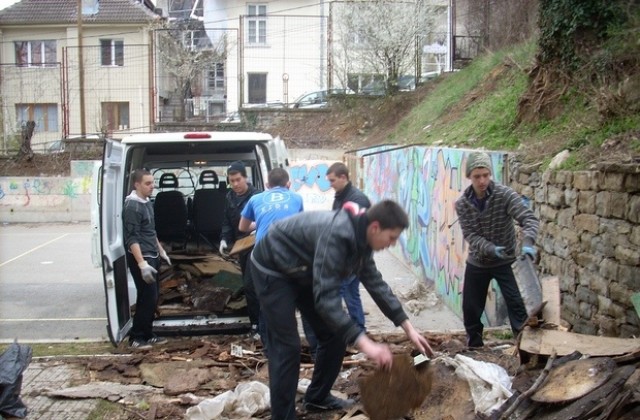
[
  {"x": 213, "y": 266},
  {"x": 243, "y": 244},
  {"x": 538, "y": 341},
  {"x": 551, "y": 295}
]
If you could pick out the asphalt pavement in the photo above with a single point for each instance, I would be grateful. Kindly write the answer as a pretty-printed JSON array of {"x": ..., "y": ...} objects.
[{"x": 49, "y": 289}]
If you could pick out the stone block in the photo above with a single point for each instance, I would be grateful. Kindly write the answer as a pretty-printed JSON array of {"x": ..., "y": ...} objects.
[
  {"x": 609, "y": 269},
  {"x": 548, "y": 213},
  {"x": 604, "y": 303},
  {"x": 619, "y": 206},
  {"x": 634, "y": 237},
  {"x": 629, "y": 331},
  {"x": 632, "y": 317},
  {"x": 571, "y": 197},
  {"x": 567, "y": 284},
  {"x": 588, "y": 260},
  {"x": 586, "y": 311},
  {"x": 617, "y": 311},
  {"x": 612, "y": 181},
  {"x": 540, "y": 194},
  {"x": 584, "y": 180},
  {"x": 555, "y": 196},
  {"x": 604, "y": 204},
  {"x": 632, "y": 183},
  {"x": 604, "y": 245},
  {"x": 523, "y": 178},
  {"x": 570, "y": 236},
  {"x": 547, "y": 176},
  {"x": 633, "y": 209},
  {"x": 608, "y": 327},
  {"x": 570, "y": 303},
  {"x": 587, "y": 202},
  {"x": 588, "y": 222},
  {"x": 527, "y": 191},
  {"x": 620, "y": 294},
  {"x": 564, "y": 178},
  {"x": 627, "y": 256},
  {"x": 598, "y": 284},
  {"x": 629, "y": 276},
  {"x": 585, "y": 241},
  {"x": 584, "y": 294},
  {"x": 617, "y": 227},
  {"x": 582, "y": 326}
]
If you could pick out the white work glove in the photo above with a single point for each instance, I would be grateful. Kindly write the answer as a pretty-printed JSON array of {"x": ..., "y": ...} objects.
[
  {"x": 148, "y": 272},
  {"x": 164, "y": 256},
  {"x": 223, "y": 247}
]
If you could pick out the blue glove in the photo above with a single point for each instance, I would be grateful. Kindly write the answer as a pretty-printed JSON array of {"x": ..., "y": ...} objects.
[
  {"x": 501, "y": 253},
  {"x": 530, "y": 251}
]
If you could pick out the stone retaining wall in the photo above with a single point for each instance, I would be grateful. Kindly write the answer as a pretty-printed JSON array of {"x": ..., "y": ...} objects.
[{"x": 590, "y": 239}]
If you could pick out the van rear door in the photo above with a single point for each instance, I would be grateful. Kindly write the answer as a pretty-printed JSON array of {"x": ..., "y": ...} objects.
[{"x": 114, "y": 265}]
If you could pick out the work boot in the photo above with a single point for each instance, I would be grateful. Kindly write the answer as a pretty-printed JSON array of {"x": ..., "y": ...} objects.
[
  {"x": 329, "y": 403},
  {"x": 139, "y": 345},
  {"x": 157, "y": 340}
]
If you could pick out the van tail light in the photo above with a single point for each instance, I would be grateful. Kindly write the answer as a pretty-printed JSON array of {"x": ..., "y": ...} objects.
[{"x": 197, "y": 136}]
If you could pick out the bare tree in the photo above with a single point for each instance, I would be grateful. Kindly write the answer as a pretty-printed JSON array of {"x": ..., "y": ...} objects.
[
  {"x": 185, "y": 53},
  {"x": 379, "y": 37}
]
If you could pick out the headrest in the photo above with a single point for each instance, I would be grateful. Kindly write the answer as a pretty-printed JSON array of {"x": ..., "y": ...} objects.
[
  {"x": 208, "y": 176},
  {"x": 168, "y": 181}
]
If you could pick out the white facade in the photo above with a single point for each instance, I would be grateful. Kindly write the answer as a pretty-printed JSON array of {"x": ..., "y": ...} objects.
[{"x": 117, "y": 83}]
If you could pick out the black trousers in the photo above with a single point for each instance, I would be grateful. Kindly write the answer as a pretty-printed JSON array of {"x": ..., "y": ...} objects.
[
  {"x": 279, "y": 299},
  {"x": 146, "y": 300},
  {"x": 253, "y": 306},
  {"x": 474, "y": 297}
]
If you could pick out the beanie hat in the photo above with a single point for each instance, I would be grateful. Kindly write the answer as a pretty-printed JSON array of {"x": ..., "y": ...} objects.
[
  {"x": 237, "y": 166},
  {"x": 477, "y": 160}
]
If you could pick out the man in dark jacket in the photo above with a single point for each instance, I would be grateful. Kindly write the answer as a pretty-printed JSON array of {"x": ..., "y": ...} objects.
[
  {"x": 238, "y": 197},
  {"x": 338, "y": 177},
  {"x": 300, "y": 264},
  {"x": 486, "y": 212}
]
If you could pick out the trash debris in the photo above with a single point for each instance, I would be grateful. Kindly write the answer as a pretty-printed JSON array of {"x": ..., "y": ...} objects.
[{"x": 246, "y": 400}]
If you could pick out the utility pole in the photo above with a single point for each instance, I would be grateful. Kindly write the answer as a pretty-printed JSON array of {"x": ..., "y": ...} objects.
[{"x": 83, "y": 126}]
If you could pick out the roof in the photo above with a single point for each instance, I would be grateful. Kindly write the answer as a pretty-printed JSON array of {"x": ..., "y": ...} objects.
[{"x": 65, "y": 11}]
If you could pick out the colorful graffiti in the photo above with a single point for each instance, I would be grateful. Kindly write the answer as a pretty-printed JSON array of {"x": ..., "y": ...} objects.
[
  {"x": 427, "y": 182},
  {"x": 308, "y": 178}
]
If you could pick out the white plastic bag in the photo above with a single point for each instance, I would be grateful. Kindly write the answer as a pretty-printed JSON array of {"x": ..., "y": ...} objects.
[
  {"x": 489, "y": 383},
  {"x": 247, "y": 399}
]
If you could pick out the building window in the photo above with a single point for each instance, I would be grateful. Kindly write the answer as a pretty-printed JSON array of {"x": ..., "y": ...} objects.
[
  {"x": 44, "y": 115},
  {"x": 215, "y": 77},
  {"x": 115, "y": 116},
  {"x": 257, "y": 23},
  {"x": 257, "y": 88},
  {"x": 35, "y": 53},
  {"x": 111, "y": 52}
]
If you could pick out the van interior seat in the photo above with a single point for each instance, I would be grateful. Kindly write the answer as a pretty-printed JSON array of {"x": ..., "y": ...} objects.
[
  {"x": 170, "y": 210},
  {"x": 208, "y": 207}
]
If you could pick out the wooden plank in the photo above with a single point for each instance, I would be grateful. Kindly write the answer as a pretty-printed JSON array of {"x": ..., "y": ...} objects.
[
  {"x": 551, "y": 295},
  {"x": 243, "y": 244},
  {"x": 538, "y": 341}
]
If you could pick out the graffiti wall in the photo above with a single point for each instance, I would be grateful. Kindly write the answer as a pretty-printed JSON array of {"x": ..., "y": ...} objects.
[
  {"x": 427, "y": 182},
  {"x": 47, "y": 199},
  {"x": 308, "y": 178}
]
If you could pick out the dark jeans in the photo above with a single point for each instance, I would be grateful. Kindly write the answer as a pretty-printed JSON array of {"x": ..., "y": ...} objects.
[
  {"x": 253, "y": 306},
  {"x": 146, "y": 301},
  {"x": 279, "y": 299},
  {"x": 350, "y": 292},
  {"x": 474, "y": 297}
]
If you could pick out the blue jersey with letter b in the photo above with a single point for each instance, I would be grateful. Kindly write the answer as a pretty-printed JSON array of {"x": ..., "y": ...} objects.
[{"x": 271, "y": 205}]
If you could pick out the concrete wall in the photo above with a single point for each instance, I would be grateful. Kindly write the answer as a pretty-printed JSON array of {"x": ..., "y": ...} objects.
[
  {"x": 48, "y": 199},
  {"x": 590, "y": 239}
]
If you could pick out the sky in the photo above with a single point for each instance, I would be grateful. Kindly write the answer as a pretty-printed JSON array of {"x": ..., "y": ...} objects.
[{"x": 6, "y": 3}]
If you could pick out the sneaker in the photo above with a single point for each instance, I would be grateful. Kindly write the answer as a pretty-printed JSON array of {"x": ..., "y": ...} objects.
[
  {"x": 329, "y": 403},
  {"x": 157, "y": 340},
  {"x": 139, "y": 345}
]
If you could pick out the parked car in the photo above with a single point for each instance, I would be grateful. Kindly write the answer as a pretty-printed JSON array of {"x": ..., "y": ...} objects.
[
  {"x": 376, "y": 87},
  {"x": 406, "y": 83},
  {"x": 317, "y": 99}
]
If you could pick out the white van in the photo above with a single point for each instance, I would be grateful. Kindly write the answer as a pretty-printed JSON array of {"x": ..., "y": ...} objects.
[{"x": 190, "y": 174}]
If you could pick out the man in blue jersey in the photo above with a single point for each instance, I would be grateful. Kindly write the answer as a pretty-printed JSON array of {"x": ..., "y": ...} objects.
[{"x": 265, "y": 208}]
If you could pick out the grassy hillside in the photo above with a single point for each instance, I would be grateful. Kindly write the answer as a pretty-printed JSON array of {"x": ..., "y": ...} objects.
[{"x": 477, "y": 108}]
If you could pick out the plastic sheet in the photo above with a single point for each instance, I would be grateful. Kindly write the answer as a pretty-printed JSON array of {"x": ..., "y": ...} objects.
[
  {"x": 13, "y": 362},
  {"x": 489, "y": 383},
  {"x": 246, "y": 400}
]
